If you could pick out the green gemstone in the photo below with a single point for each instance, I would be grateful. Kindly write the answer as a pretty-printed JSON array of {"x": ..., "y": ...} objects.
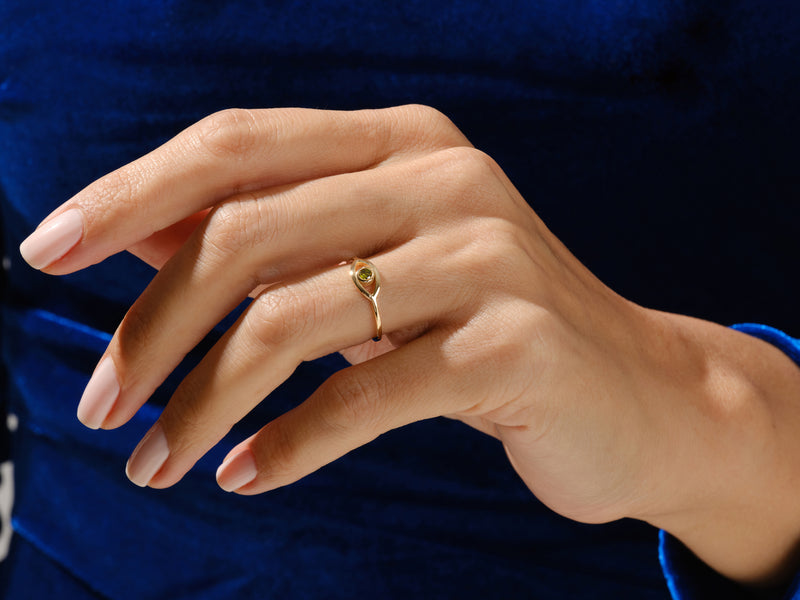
[{"x": 364, "y": 274}]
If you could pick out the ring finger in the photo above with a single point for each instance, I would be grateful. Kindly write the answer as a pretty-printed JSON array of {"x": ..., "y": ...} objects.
[{"x": 285, "y": 325}]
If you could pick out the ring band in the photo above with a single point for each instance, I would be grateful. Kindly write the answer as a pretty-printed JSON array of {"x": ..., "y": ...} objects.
[{"x": 366, "y": 277}]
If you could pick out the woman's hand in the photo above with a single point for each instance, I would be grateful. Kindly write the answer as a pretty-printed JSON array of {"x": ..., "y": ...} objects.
[{"x": 605, "y": 409}]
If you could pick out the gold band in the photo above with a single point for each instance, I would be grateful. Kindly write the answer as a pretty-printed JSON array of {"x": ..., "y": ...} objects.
[{"x": 366, "y": 277}]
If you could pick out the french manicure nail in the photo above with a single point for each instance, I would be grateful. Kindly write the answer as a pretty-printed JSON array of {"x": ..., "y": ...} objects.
[
  {"x": 237, "y": 471},
  {"x": 53, "y": 240},
  {"x": 148, "y": 457},
  {"x": 100, "y": 395}
]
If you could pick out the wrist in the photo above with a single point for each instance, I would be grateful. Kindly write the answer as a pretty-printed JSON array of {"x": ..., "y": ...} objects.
[{"x": 727, "y": 448}]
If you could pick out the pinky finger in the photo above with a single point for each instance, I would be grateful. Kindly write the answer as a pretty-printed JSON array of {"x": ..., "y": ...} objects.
[{"x": 353, "y": 407}]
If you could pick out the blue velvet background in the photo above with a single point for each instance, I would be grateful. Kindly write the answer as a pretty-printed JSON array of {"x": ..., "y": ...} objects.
[{"x": 656, "y": 138}]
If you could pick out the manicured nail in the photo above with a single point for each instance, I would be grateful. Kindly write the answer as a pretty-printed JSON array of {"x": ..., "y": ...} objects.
[
  {"x": 53, "y": 240},
  {"x": 237, "y": 471},
  {"x": 149, "y": 456},
  {"x": 100, "y": 395}
]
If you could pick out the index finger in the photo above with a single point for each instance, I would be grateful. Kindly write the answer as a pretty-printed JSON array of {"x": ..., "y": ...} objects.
[{"x": 228, "y": 152}]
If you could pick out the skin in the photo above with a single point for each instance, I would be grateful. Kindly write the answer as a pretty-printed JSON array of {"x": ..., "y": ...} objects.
[{"x": 606, "y": 409}]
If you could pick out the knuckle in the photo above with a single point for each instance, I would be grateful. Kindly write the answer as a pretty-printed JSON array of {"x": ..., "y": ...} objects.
[
  {"x": 352, "y": 402},
  {"x": 239, "y": 224},
  {"x": 470, "y": 178},
  {"x": 227, "y": 133},
  {"x": 226, "y": 229},
  {"x": 280, "y": 316},
  {"x": 471, "y": 164}
]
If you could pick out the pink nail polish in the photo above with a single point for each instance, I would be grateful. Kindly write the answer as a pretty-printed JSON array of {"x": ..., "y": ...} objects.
[
  {"x": 148, "y": 457},
  {"x": 53, "y": 240},
  {"x": 100, "y": 395},
  {"x": 237, "y": 471}
]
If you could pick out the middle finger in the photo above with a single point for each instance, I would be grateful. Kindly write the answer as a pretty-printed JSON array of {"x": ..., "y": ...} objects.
[
  {"x": 285, "y": 325},
  {"x": 250, "y": 240}
]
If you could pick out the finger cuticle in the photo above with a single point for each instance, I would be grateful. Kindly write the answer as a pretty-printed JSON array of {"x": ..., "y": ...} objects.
[
  {"x": 100, "y": 395},
  {"x": 237, "y": 471},
  {"x": 148, "y": 457}
]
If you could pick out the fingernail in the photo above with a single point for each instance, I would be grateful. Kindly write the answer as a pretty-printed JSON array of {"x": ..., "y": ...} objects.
[
  {"x": 53, "y": 240},
  {"x": 100, "y": 395},
  {"x": 148, "y": 457},
  {"x": 237, "y": 471}
]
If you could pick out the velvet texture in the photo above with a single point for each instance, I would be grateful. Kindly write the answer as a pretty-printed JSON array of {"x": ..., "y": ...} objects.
[{"x": 655, "y": 137}]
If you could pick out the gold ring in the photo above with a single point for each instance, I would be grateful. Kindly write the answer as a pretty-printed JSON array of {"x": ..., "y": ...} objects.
[{"x": 368, "y": 282}]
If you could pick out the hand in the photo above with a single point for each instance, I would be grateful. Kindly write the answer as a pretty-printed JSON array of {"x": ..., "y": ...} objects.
[{"x": 488, "y": 317}]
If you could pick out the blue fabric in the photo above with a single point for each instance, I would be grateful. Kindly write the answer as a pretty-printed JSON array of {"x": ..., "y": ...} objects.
[
  {"x": 789, "y": 345},
  {"x": 657, "y": 138}
]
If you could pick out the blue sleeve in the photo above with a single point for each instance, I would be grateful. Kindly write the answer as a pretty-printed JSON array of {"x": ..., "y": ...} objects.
[{"x": 688, "y": 578}]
